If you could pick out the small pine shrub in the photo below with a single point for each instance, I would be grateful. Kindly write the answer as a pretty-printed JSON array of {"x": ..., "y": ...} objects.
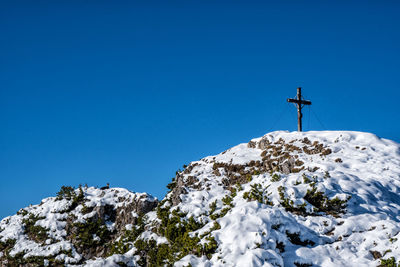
[
  {"x": 22, "y": 212},
  {"x": 8, "y": 244},
  {"x": 216, "y": 226},
  {"x": 275, "y": 177},
  {"x": 172, "y": 184},
  {"x": 86, "y": 209},
  {"x": 233, "y": 192},
  {"x": 213, "y": 207},
  {"x": 258, "y": 193},
  {"x": 289, "y": 204},
  {"x": 306, "y": 179},
  {"x": 239, "y": 187},
  {"x": 125, "y": 243},
  {"x": 176, "y": 228},
  {"x": 391, "y": 262},
  {"x": 66, "y": 192},
  {"x": 322, "y": 203},
  {"x": 227, "y": 200},
  {"x": 249, "y": 177},
  {"x": 298, "y": 264},
  {"x": 295, "y": 239},
  {"x": 210, "y": 247},
  {"x": 85, "y": 232},
  {"x": 280, "y": 246},
  {"x": 35, "y": 232},
  {"x": 220, "y": 214}
]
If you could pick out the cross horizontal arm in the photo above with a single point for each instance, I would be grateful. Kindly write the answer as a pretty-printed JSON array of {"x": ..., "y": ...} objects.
[{"x": 301, "y": 102}]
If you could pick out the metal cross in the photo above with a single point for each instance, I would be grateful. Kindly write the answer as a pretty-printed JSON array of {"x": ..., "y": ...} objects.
[{"x": 299, "y": 102}]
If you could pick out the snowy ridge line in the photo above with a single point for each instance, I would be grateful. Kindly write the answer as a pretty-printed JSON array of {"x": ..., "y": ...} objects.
[
  {"x": 327, "y": 198},
  {"x": 48, "y": 235}
]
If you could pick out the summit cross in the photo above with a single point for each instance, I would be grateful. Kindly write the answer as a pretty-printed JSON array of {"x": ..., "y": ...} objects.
[{"x": 300, "y": 103}]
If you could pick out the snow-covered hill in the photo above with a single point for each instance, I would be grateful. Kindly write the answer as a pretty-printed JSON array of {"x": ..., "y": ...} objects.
[{"x": 285, "y": 199}]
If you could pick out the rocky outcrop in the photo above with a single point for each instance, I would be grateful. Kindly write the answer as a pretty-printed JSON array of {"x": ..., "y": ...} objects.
[
  {"x": 129, "y": 213},
  {"x": 85, "y": 225}
]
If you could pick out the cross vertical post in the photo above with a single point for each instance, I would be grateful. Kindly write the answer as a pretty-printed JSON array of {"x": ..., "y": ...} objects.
[
  {"x": 299, "y": 102},
  {"x": 299, "y": 114}
]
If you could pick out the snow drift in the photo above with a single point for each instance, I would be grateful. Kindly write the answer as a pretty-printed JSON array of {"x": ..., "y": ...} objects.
[{"x": 284, "y": 199}]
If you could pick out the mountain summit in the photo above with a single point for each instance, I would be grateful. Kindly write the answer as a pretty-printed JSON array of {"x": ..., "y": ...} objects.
[{"x": 326, "y": 198}]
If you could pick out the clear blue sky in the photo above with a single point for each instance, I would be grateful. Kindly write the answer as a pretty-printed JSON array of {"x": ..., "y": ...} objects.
[{"x": 127, "y": 92}]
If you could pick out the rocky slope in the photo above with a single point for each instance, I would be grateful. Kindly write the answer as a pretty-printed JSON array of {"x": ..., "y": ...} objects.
[{"x": 285, "y": 199}]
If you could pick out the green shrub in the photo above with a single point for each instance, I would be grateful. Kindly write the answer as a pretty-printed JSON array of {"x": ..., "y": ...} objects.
[
  {"x": 295, "y": 239},
  {"x": 172, "y": 184},
  {"x": 19, "y": 259},
  {"x": 176, "y": 230},
  {"x": 239, "y": 186},
  {"x": 280, "y": 246},
  {"x": 221, "y": 214},
  {"x": 35, "y": 232},
  {"x": 21, "y": 212},
  {"x": 322, "y": 203},
  {"x": 298, "y": 264},
  {"x": 154, "y": 255},
  {"x": 216, "y": 226},
  {"x": 85, "y": 231},
  {"x": 306, "y": 179},
  {"x": 86, "y": 209},
  {"x": 258, "y": 193},
  {"x": 249, "y": 177},
  {"x": 275, "y": 177},
  {"x": 210, "y": 247},
  {"x": 227, "y": 200},
  {"x": 126, "y": 242},
  {"x": 289, "y": 204},
  {"x": 176, "y": 227},
  {"x": 391, "y": 262},
  {"x": 213, "y": 207},
  {"x": 8, "y": 244},
  {"x": 68, "y": 193}
]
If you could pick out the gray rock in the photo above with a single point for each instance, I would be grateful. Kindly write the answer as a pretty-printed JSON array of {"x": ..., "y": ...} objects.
[
  {"x": 251, "y": 144},
  {"x": 263, "y": 144},
  {"x": 288, "y": 165}
]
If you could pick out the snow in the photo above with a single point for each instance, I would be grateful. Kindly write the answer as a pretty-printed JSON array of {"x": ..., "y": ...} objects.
[
  {"x": 369, "y": 173},
  {"x": 53, "y": 217},
  {"x": 253, "y": 234}
]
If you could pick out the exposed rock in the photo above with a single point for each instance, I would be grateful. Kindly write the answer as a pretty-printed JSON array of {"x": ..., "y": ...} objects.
[
  {"x": 288, "y": 165},
  {"x": 176, "y": 193},
  {"x": 129, "y": 213},
  {"x": 376, "y": 254},
  {"x": 178, "y": 190},
  {"x": 104, "y": 213},
  {"x": 263, "y": 144},
  {"x": 251, "y": 144}
]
